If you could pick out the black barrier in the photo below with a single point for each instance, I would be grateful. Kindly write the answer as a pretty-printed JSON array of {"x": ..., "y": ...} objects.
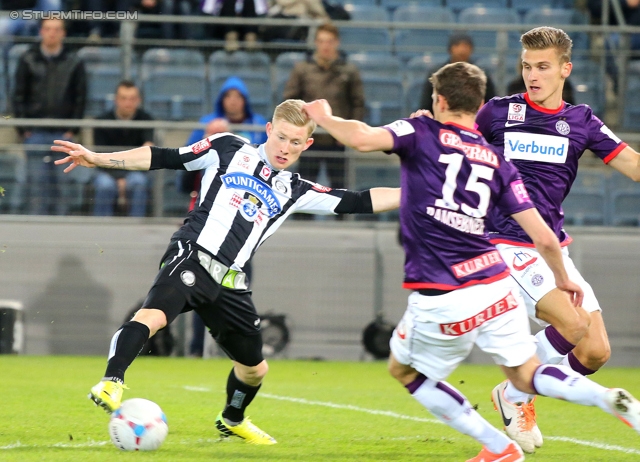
[{"x": 11, "y": 332}]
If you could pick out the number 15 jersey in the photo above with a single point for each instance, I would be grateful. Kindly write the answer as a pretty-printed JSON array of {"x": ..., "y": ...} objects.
[{"x": 451, "y": 178}]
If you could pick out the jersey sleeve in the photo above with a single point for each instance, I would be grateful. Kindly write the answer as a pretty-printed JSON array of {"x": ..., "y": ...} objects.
[
  {"x": 602, "y": 141},
  {"x": 513, "y": 197},
  {"x": 404, "y": 136},
  {"x": 484, "y": 119},
  {"x": 315, "y": 198}
]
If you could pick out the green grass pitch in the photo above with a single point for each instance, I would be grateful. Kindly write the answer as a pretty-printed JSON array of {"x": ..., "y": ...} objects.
[{"x": 318, "y": 411}]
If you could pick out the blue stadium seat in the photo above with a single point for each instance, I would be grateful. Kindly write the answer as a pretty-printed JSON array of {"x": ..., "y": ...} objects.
[
  {"x": 458, "y": 5},
  {"x": 12, "y": 62},
  {"x": 588, "y": 85},
  {"x": 3, "y": 87},
  {"x": 383, "y": 98},
  {"x": 391, "y": 5},
  {"x": 522, "y": 6},
  {"x": 482, "y": 15},
  {"x": 253, "y": 68},
  {"x": 416, "y": 72},
  {"x": 586, "y": 204},
  {"x": 9, "y": 202},
  {"x": 413, "y": 42},
  {"x": 284, "y": 64},
  {"x": 358, "y": 2},
  {"x": 624, "y": 200},
  {"x": 357, "y": 39},
  {"x": 631, "y": 113},
  {"x": 377, "y": 65},
  {"x": 490, "y": 63},
  {"x": 560, "y": 17},
  {"x": 367, "y": 12},
  {"x": 103, "y": 68},
  {"x": 173, "y": 81}
]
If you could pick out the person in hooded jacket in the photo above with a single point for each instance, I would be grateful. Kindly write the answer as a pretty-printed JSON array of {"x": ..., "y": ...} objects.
[{"x": 233, "y": 105}]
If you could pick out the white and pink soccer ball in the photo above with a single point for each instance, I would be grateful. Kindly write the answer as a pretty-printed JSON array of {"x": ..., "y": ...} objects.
[{"x": 138, "y": 425}]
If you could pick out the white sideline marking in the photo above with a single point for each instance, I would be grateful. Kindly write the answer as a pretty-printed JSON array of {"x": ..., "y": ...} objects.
[
  {"x": 89, "y": 444},
  {"x": 605, "y": 447}
]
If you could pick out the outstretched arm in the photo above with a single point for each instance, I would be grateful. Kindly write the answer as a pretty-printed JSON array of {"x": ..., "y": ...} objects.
[
  {"x": 627, "y": 163},
  {"x": 133, "y": 159},
  {"x": 547, "y": 244},
  {"x": 352, "y": 133},
  {"x": 385, "y": 199}
]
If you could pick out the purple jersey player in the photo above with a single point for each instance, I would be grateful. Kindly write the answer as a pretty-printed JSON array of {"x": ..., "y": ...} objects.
[
  {"x": 461, "y": 292},
  {"x": 545, "y": 137}
]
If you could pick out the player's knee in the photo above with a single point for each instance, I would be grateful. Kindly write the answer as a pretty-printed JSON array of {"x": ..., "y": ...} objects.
[
  {"x": 252, "y": 375},
  {"x": 577, "y": 328},
  {"x": 152, "y": 318},
  {"x": 596, "y": 356}
]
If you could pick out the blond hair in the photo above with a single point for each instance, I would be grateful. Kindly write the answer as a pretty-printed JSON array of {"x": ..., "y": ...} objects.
[
  {"x": 542, "y": 38},
  {"x": 291, "y": 111}
]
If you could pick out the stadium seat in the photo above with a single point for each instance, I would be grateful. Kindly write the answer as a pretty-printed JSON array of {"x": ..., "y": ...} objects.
[
  {"x": 3, "y": 87},
  {"x": 357, "y": 2},
  {"x": 416, "y": 72},
  {"x": 253, "y": 68},
  {"x": 560, "y": 17},
  {"x": 588, "y": 85},
  {"x": 358, "y": 39},
  {"x": 173, "y": 81},
  {"x": 498, "y": 16},
  {"x": 522, "y": 6},
  {"x": 491, "y": 64},
  {"x": 284, "y": 64},
  {"x": 458, "y": 5},
  {"x": 412, "y": 42},
  {"x": 174, "y": 202},
  {"x": 586, "y": 204},
  {"x": 103, "y": 68},
  {"x": 12, "y": 62},
  {"x": 383, "y": 99},
  {"x": 393, "y": 4},
  {"x": 377, "y": 65},
  {"x": 631, "y": 113},
  {"x": 9, "y": 180},
  {"x": 625, "y": 200},
  {"x": 367, "y": 12}
]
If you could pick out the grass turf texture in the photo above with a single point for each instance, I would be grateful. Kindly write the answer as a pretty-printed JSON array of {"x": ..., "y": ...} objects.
[{"x": 318, "y": 411}]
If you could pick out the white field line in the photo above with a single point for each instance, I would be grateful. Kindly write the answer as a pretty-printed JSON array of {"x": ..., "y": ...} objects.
[{"x": 605, "y": 447}]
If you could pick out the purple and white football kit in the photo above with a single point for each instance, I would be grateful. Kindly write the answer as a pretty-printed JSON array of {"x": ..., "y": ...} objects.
[
  {"x": 545, "y": 145},
  {"x": 450, "y": 179}
]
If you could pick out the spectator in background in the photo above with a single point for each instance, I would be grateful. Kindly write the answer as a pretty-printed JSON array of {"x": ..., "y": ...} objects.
[
  {"x": 99, "y": 29},
  {"x": 127, "y": 188},
  {"x": 293, "y": 9},
  {"x": 24, "y": 27},
  {"x": 460, "y": 50},
  {"x": 234, "y": 106},
  {"x": 236, "y": 9},
  {"x": 50, "y": 82},
  {"x": 517, "y": 86},
  {"x": 154, "y": 30},
  {"x": 327, "y": 75}
]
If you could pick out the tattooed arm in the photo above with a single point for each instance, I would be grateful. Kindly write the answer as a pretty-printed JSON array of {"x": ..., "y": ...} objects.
[{"x": 133, "y": 159}]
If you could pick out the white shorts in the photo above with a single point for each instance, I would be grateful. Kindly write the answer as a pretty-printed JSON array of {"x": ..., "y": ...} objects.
[
  {"x": 535, "y": 278},
  {"x": 437, "y": 333}
]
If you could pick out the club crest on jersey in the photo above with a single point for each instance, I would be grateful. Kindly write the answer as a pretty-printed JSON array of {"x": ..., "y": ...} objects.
[
  {"x": 249, "y": 209},
  {"x": 563, "y": 127},
  {"x": 517, "y": 112},
  {"x": 201, "y": 146},
  {"x": 255, "y": 186}
]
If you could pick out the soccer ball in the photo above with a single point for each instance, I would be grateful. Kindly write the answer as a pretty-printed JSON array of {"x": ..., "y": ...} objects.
[{"x": 138, "y": 425}]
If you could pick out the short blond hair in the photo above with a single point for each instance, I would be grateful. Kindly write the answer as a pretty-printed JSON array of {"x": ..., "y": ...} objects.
[
  {"x": 542, "y": 38},
  {"x": 291, "y": 111}
]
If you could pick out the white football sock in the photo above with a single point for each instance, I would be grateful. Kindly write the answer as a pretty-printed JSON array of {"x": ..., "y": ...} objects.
[
  {"x": 513, "y": 395},
  {"x": 451, "y": 407},
  {"x": 564, "y": 383},
  {"x": 546, "y": 351}
]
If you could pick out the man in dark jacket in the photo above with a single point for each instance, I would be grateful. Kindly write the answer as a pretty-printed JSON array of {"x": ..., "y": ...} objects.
[
  {"x": 460, "y": 50},
  {"x": 128, "y": 189},
  {"x": 50, "y": 82},
  {"x": 326, "y": 75}
]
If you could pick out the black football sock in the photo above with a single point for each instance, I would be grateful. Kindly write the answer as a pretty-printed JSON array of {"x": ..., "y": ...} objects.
[
  {"x": 126, "y": 344},
  {"x": 239, "y": 396}
]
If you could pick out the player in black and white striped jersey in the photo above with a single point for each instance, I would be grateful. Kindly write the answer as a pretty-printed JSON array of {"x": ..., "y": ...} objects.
[{"x": 246, "y": 194}]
